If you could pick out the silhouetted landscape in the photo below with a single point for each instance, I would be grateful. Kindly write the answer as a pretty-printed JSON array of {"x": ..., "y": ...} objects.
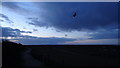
[{"x": 55, "y": 56}]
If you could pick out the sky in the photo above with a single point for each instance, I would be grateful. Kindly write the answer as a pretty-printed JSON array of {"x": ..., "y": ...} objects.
[
  {"x": 52, "y": 23},
  {"x": 60, "y": 0}
]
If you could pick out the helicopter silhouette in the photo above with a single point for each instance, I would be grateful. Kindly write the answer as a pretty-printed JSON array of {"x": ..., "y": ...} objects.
[{"x": 74, "y": 15}]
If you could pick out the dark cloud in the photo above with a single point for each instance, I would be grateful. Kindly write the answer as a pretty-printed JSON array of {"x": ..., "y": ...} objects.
[
  {"x": 25, "y": 39},
  {"x": 58, "y": 31},
  {"x": 105, "y": 34},
  {"x": 11, "y": 5},
  {"x": 43, "y": 41},
  {"x": 4, "y": 18},
  {"x": 90, "y": 15},
  {"x": 35, "y": 21},
  {"x": 35, "y": 30},
  {"x": 9, "y": 32},
  {"x": 24, "y": 28},
  {"x": 66, "y": 35},
  {"x": 25, "y": 31},
  {"x": 15, "y": 6}
]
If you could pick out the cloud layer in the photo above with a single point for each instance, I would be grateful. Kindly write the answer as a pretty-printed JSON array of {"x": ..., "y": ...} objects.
[
  {"x": 104, "y": 34},
  {"x": 97, "y": 38},
  {"x": 9, "y": 32},
  {"x": 91, "y": 16},
  {"x": 4, "y": 18},
  {"x": 31, "y": 40}
]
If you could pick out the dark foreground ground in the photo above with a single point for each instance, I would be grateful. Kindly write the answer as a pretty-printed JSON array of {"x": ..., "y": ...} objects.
[
  {"x": 77, "y": 56},
  {"x": 56, "y": 56}
]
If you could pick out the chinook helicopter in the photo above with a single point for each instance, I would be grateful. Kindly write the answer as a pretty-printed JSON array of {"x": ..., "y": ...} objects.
[{"x": 74, "y": 15}]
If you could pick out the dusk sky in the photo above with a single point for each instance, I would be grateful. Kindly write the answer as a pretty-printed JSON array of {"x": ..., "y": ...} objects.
[{"x": 37, "y": 23}]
